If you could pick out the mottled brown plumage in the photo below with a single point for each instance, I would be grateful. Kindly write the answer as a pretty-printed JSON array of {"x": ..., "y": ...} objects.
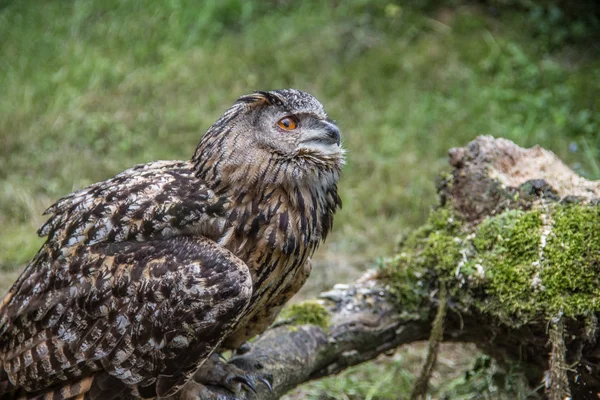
[{"x": 145, "y": 275}]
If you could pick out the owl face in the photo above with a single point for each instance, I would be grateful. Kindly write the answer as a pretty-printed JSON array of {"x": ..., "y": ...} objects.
[{"x": 292, "y": 123}]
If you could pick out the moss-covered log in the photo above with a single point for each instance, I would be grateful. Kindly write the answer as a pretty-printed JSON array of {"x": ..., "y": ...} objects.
[{"x": 515, "y": 245}]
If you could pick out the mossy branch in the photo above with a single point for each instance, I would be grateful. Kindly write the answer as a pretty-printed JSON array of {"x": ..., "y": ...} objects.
[{"x": 516, "y": 245}]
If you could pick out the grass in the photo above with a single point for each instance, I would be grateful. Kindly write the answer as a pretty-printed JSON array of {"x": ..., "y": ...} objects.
[{"x": 89, "y": 88}]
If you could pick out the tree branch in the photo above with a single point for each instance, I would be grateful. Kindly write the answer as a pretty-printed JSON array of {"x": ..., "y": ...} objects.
[{"x": 363, "y": 325}]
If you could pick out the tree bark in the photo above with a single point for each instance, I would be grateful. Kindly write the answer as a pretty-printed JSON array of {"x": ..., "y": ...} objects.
[
  {"x": 488, "y": 177},
  {"x": 363, "y": 325}
]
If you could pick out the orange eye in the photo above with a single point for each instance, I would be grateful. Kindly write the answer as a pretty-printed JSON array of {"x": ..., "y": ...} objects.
[{"x": 287, "y": 123}]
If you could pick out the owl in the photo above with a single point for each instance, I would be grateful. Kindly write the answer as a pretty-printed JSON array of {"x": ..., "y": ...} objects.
[{"x": 145, "y": 277}]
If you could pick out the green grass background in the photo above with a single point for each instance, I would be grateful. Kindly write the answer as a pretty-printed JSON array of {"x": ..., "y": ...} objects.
[{"x": 91, "y": 87}]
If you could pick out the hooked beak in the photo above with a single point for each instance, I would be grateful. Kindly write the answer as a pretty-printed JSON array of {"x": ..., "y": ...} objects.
[{"x": 322, "y": 135}]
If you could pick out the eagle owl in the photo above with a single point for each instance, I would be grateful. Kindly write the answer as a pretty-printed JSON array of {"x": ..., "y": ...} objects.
[{"x": 145, "y": 276}]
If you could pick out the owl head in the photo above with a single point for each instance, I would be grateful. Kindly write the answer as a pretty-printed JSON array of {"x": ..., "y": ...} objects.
[{"x": 285, "y": 130}]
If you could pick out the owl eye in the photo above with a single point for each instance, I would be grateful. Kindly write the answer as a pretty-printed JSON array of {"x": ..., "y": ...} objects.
[{"x": 288, "y": 123}]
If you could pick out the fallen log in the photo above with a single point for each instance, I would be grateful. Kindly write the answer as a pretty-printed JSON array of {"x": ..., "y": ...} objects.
[{"x": 515, "y": 245}]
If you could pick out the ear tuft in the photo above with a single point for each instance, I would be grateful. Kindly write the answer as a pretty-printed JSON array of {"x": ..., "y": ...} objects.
[{"x": 261, "y": 98}]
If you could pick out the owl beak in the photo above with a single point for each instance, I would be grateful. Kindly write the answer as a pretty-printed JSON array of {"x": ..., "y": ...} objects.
[
  {"x": 332, "y": 132},
  {"x": 321, "y": 134}
]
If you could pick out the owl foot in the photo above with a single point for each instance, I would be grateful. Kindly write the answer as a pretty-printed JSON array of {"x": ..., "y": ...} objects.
[{"x": 216, "y": 372}]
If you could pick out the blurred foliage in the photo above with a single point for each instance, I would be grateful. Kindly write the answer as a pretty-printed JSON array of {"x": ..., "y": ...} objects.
[
  {"x": 486, "y": 380},
  {"x": 89, "y": 88},
  {"x": 553, "y": 23}
]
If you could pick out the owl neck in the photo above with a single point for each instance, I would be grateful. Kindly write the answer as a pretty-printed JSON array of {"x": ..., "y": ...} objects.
[
  {"x": 286, "y": 203},
  {"x": 275, "y": 230}
]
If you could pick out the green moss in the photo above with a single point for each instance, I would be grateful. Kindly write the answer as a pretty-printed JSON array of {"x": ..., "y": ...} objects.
[
  {"x": 571, "y": 266},
  {"x": 432, "y": 251},
  {"x": 405, "y": 281},
  {"x": 564, "y": 279},
  {"x": 509, "y": 264},
  {"x": 517, "y": 266},
  {"x": 491, "y": 230},
  {"x": 443, "y": 251},
  {"x": 306, "y": 313},
  {"x": 444, "y": 219}
]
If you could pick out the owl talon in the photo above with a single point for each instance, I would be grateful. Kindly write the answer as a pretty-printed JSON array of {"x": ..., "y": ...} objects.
[
  {"x": 266, "y": 382},
  {"x": 246, "y": 381},
  {"x": 229, "y": 376}
]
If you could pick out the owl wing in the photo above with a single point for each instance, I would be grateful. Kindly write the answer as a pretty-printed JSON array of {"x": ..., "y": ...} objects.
[
  {"x": 149, "y": 201},
  {"x": 145, "y": 313}
]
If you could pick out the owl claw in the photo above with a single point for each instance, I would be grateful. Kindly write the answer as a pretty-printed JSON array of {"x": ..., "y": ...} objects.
[
  {"x": 229, "y": 376},
  {"x": 246, "y": 381},
  {"x": 265, "y": 382}
]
